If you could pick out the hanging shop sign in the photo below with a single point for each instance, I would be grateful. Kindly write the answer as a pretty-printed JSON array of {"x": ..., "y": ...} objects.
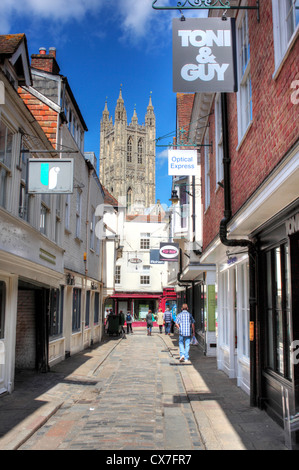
[
  {"x": 52, "y": 176},
  {"x": 169, "y": 251},
  {"x": 155, "y": 257},
  {"x": 204, "y": 55},
  {"x": 182, "y": 162}
]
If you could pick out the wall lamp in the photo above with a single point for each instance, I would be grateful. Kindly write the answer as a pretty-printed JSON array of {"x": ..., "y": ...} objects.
[{"x": 174, "y": 197}]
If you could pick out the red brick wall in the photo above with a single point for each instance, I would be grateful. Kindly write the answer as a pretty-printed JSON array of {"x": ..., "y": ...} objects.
[
  {"x": 184, "y": 110},
  {"x": 46, "y": 117},
  {"x": 274, "y": 129},
  {"x": 46, "y": 62}
]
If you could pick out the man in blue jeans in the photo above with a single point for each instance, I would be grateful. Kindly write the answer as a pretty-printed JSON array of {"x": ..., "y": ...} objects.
[
  {"x": 167, "y": 317},
  {"x": 186, "y": 325}
]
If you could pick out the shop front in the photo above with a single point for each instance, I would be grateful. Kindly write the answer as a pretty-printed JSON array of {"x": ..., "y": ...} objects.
[
  {"x": 137, "y": 303},
  {"x": 278, "y": 305}
]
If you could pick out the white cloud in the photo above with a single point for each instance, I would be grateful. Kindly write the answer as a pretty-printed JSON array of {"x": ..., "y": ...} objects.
[
  {"x": 161, "y": 158},
  {"x": 62, "y": 10}
]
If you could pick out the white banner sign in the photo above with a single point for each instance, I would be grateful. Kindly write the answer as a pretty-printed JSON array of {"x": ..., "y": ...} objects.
[{"x": 182, "y": 162}]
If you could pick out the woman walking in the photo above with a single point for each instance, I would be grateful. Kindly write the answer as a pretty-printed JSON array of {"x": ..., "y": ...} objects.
[
  {"x": 149, "y": 322},
  {"x": 160, "y": 320}
]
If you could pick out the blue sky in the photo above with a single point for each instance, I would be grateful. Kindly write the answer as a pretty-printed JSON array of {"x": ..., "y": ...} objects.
[{"x": 101, "y": 45}]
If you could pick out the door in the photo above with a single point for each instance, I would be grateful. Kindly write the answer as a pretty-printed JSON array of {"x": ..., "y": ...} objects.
[{"x": 2, "y": 336}]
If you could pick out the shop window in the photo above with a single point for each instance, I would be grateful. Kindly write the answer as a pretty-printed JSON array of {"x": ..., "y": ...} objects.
[
  {"x": 96, "y": 307},
  {"x": 76, "y": 314},
  {"x": 56, "y": 311},
  {"x": 278, "y": 319},
  {"x": 87, "y": 310},
  {"x": 2, "y": 309}
]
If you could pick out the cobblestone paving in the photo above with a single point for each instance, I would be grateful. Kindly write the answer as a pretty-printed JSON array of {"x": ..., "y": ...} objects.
[{"x": 134, "y": 400}]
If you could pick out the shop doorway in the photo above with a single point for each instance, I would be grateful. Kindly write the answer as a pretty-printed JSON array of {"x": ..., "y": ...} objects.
[{"x": 32, "y": 328}]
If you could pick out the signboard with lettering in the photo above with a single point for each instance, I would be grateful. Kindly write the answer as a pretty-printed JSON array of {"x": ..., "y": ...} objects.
[
  {"x": 182, "y": 162},
  {"x": 52, "y": 176},
  {"x": 169, "y": 251},
  {"x": 204, "y": 55}
]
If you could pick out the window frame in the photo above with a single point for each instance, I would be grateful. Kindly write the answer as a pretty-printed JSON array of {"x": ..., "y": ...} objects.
[
  {"x": 283, "y": 37},
  {"x": 244, "y": 94}
]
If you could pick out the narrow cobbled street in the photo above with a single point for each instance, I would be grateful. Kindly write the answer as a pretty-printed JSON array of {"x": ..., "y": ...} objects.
[{"x": 134, "y": 400}]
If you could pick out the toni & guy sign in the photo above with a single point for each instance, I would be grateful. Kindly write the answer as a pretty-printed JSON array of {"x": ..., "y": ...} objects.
[{"x": 204, "y": 57}]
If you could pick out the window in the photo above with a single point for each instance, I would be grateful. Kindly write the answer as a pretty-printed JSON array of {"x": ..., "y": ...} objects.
[
  {"x": 117, "y": 274},
  {"x": 129, "y": 149},
  {"x": 56, "y": 311},
  {"x": 57, "y": 217},
  {"x": 245, "y": 92},
  {"x": 87, "y": 308},
  {"x": 78, "y": 213},
  {"x": 278, "y": 318},
  {"x": 140, "y": 150},
  {"x": 225, "y": 307},
  {"x": 218, "y": 139},
  {"x": 144, "y": 279},
  {"x": 6, "y": 140},
  {"x": 44, "y": 213},
  {"x": 23, "y": 197},
  {"x": 76, "y": 314},
  {"x": 242, "y": 304},
  {"x": 285, "y": 26},
  {"x": 67, "y": 212},
  {"x": 207, "y": 170},
  {"x": 96, "y": 307},
  {"x": 2, "y": 309},
  {"x": 129, "y": 199},
  {"x": 92, "y": 227},
  {"x": 145, "y": 241},
  {"x": 183, "y": 206}
]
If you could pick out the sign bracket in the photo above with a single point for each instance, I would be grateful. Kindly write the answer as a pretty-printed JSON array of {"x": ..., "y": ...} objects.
[{"x": 208, "y": 5}]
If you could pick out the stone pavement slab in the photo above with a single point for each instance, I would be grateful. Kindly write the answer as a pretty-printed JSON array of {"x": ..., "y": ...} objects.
[{"x": 78, "y": 402}]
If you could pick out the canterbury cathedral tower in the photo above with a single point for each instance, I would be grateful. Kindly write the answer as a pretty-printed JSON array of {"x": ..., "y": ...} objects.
[{"x": 127, "y": 157}]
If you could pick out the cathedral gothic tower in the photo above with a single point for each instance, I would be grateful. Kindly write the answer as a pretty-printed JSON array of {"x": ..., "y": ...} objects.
[{"x": 127, "y": 157}]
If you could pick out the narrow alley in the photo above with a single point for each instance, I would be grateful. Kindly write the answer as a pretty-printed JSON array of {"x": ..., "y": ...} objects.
[{"x": 132, "y": 393}]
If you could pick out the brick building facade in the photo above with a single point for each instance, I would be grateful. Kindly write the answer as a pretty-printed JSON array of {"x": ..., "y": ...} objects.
[{"x": 249, "y": 191}]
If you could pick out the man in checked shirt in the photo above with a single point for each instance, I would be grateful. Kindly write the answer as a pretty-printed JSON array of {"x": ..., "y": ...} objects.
[{"x": 186, "y": 325}]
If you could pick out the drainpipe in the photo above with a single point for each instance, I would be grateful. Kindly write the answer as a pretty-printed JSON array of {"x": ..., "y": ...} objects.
[{"x": 252, "y": 251}]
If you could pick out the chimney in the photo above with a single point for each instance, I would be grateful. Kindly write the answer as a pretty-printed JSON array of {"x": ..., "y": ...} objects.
[
  {"x": 44, "y": 61},
  {"x": 52, "y": 52}
]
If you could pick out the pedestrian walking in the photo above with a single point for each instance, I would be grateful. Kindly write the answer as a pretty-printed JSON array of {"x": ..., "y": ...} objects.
[
  {"x": 122, "y": 321},
  {"x": 149, "y": 322},
  {"x": 167, "y": 320},
  {"x": 186, "y": 325},
  {"x": 129, "y": 321},
  {"x": 160, "y": 320}
]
